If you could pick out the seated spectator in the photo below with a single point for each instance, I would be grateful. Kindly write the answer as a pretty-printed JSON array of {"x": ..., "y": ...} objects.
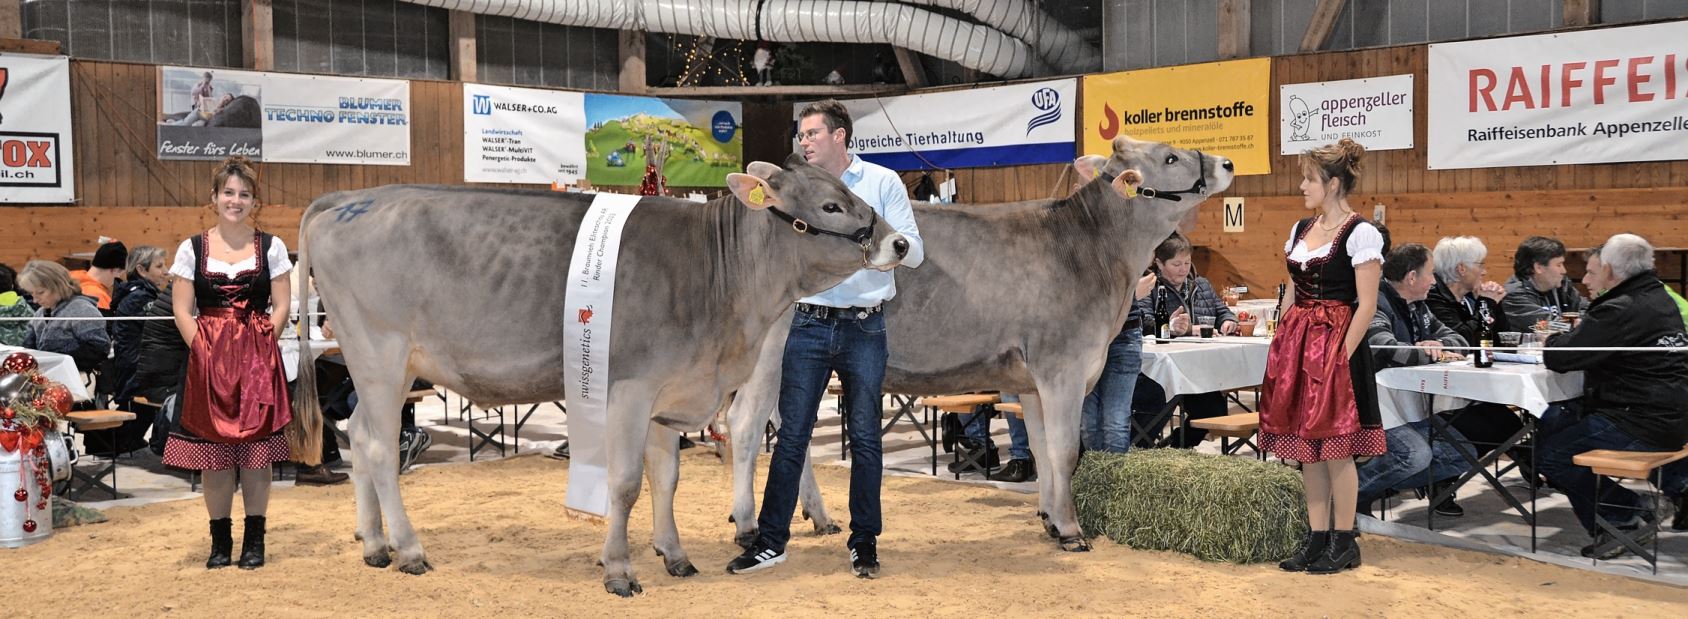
[
  {"x": 12, "y": 305},
  {"x": 1461, "y": 289},
  {"x": 160, "y": 367},
  {"x": 85, "y": 341},
  {"x": 145, "y": 275},
  {"x": 1403, "y": 318},
  {"x": 101, "y": 278},
  {"x": 1539, "y": 289},
  {"x": 1632, "y": 401},
  {"x": 1594, "y": 279},
  {"x": 1193, "y": 298},
  {"x": 1020, "y": 465}
]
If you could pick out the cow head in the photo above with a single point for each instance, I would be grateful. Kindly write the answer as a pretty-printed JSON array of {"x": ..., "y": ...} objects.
[
  {"x": 813, "y": 201},
  {"x": 1166, "y": 175}
]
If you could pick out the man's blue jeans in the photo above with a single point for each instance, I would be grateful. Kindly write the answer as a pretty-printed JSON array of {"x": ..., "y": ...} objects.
[
  {"x": 979, "y": 430},
  {"x": 855, "y": 349},
  {"x": 1566, "y": 432},
  {"x": 1409, "y": 455},
  {"x": 1107, "y": 409}
]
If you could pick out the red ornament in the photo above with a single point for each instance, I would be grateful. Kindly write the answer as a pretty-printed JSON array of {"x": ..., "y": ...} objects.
[
  {"x": 38, "y": 378},
  {"x": 29, "y": 526},
  {"x": 19, "y": 363},
  {"x": 7, "y": 413},
  {"x": 39, "y": 402},
  {"x": 59, "y": 396},
  {"x": 21, "y": 495}
]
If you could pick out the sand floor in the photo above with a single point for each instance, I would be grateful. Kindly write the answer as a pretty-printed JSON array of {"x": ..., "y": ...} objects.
[{"x": 496, "y": 534}]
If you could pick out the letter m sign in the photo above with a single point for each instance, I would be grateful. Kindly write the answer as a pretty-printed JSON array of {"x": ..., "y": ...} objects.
[{"x": 1233, "y": 214}]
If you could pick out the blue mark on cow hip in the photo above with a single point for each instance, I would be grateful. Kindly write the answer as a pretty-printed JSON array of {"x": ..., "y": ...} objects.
[{"x": 348, "y": 212}]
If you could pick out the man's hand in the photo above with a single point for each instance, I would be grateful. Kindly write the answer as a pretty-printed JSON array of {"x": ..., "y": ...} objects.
[
  {"x": 1180, "y": 321},
  {"x": 1228, "y": 327},
  {"x": 1145, "y": 285},
  {"x": 1491, "y": 291}
]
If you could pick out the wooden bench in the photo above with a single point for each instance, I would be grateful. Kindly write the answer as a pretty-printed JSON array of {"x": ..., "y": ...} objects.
[
  {"x": 1646, "y": 466},
  {"x": 1012, "y": 408},
  {"x": 1242, "y": 427},
  {"x": 89, "y": 421},
  {"x": 939, "y": 405}
]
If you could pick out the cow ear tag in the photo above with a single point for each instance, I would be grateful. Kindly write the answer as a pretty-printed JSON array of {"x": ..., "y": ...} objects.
[
  {"x": 1126, "y": 183},
  {"x": 757, "y": 196}
]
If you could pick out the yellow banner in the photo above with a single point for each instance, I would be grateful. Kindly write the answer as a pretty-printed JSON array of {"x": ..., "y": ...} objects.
[{"x": 1219, "y": 108}]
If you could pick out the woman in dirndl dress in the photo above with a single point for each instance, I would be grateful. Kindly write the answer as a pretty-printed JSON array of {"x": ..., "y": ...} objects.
[
  {"x": 1319, "y": 401},
  {"x": 235, "y": 402}
]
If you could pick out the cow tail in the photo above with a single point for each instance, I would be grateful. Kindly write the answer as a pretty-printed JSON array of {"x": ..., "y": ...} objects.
[{"x": 304, "y": 432}]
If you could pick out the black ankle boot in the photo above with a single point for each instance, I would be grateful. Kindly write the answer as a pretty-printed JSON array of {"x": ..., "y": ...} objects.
[
  {"x": 252, "y": 544},
  {"x": 222, "y": 543},
  {"x": 1343, "y": 553},
  {"x": 1312, "y": 548}
]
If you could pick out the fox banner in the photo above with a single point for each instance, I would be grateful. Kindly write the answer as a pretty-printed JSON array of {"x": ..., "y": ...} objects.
[
  {"x": 662, "y": 142},
  {"x": 1593, "y": 96},
  {"x": 523, "y": 135},
  {"x": 1016, "y": 125},
  {"x": 35, "y": 142},
  {"x": 1220, "y": 108},
  {"x": 282, "y": 118}
]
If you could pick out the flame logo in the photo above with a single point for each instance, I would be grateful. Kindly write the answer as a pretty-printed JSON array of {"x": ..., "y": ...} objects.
[
  {"x": 585, "y": 316},
  {"x": 1110, "y": 124}
]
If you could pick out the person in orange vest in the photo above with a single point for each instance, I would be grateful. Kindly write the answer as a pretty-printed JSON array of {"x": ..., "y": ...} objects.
[{"x": 102, "y": 275}]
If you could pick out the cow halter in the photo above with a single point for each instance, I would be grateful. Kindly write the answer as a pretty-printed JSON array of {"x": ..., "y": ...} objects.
[
  {"x": 1199, "y": 187},
  {"x": 861, "y": 236}
]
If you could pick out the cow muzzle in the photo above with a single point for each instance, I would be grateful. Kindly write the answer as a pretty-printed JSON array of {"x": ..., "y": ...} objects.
[{"x": 889, "y": 253}]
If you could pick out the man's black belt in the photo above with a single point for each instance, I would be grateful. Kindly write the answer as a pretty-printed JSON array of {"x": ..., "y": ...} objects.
[
  {"x": 1133, "y": 323},
  {"x": 824, "y": 312}
]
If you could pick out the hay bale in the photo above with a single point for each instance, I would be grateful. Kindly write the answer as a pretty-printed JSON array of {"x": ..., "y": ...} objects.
[{"x": 1218, "y": 508}]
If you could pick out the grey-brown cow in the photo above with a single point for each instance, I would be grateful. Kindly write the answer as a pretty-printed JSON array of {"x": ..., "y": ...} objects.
[
  {"x": 1022, "y": 298},
  {"x": 464, "y": 287}
]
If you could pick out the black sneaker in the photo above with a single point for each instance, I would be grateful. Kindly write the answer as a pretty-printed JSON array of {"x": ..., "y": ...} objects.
[
  {"x": 411, "y": 445},
  {"x": 756, "y": 559},
  {"x": 864, "y": 560}
]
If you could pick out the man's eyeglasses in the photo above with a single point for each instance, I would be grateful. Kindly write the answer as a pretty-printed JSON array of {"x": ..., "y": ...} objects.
[{"x": 812, "y": 134}]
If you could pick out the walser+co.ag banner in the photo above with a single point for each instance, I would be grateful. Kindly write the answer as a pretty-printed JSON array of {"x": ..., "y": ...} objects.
[
  {"x": 692, "y": 143},
  {"x": 35, "y": 144},
  {"x": 1220, "y": 108},
  {"x": 996, "y": 126},
  {"x": 1597, "y": 96},
  {"x": 1377, "y": 112},
  {"x": 523, "y": 135},
  {"x": 276, "y": 117}
]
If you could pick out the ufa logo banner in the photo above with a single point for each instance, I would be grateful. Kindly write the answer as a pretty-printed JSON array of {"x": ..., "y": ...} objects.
[
  {"x": 1597, "y": 96},
  {"x": 35, "y": 142},
  {"x": 1019, "y": 124},
  {"x": 1219, "y": 108}
]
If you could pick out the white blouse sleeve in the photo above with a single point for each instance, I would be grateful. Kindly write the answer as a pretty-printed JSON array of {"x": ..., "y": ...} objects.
[
  {"x": 1365, "y": 244},
  {"x": 280, "y": 264},
  {"x": 186, "y": 262},
  {"x": 1289, "y": 245}
]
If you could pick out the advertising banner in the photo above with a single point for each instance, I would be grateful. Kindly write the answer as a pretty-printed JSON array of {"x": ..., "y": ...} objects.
[
  {"x": 523, "y": 135},
  {"x": 1219, "y": 108},
  {"x": 1594, "y": 96},
  {"x": 693, "y": 143},
  {"x": 996, "y": 126},
  {"x": 35, "y": 139},
  {"x": 1377, "y": 112},
  {"x": 282, "y": 118}
]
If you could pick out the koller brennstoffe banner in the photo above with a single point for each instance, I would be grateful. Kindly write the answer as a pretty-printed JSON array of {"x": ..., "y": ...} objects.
[
  {"x": 523, "y": 135},
  {"x": 1219, "y": 108},
  {"x": 283, "y": 118},
  {"x": 996, "y": 126},
  {"x": 35, "y": 142},
  {"x": 699, "y": 142},
  {"x": 1595, "y": 96},
  {"x": 1377, "y": 112}
]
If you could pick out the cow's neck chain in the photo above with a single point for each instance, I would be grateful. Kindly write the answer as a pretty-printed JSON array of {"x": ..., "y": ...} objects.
[
  {"x": 861, "y": 236},
  {"x": 1198, "y": 188}
]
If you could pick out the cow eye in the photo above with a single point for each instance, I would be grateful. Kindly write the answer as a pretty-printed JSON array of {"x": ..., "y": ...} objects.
[
  {"x": 1171, "y": 159},
  {"x": 831, "y": 207}
]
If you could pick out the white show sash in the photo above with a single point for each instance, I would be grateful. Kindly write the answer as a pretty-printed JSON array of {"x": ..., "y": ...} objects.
[{"x": 587, "y": 303}]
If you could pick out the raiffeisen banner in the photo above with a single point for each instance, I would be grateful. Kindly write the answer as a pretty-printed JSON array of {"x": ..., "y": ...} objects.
[{"x": 981, "y": 127}]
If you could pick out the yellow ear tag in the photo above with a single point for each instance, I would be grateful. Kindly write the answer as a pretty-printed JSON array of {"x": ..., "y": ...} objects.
[{"x": 757, "y": 197}]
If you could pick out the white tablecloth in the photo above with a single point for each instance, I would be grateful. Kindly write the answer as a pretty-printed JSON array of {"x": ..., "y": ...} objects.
[
  {"x": 1527, "y": 386},
  {"x": 55, "y": 366},
  {"x": 1193, "y": 365}
]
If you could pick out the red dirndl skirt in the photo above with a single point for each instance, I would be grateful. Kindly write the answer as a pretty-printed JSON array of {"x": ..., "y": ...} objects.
[
  {"x": 235, "y": 403},
  {"x": 1316, "y": 403}
]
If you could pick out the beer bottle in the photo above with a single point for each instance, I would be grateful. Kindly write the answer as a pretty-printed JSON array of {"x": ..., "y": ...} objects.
[
  {"x": 1163, "y": 315},
  {"x": 1485, "y": 356}
]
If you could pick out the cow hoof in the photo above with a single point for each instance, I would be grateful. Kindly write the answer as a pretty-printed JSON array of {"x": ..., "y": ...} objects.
[
  {"x": 683, "y": 569},
  {"x": 830, "y": 528},
  {"x": 623, "y": 588},
  {"x": 1075, "y": 544},
  {"x": 417, "y": 568},
  {"x": 380, "y": 560},
  {"x": 747, "y": 538}
]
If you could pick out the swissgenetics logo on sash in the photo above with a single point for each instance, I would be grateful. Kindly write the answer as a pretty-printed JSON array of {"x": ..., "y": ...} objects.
[
  {"x": 588, "y": 305},
  {"x": 997, "y": 126}
]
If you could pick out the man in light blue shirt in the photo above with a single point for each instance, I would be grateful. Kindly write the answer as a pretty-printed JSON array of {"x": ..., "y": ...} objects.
[{"x": 840, "y": 330}]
